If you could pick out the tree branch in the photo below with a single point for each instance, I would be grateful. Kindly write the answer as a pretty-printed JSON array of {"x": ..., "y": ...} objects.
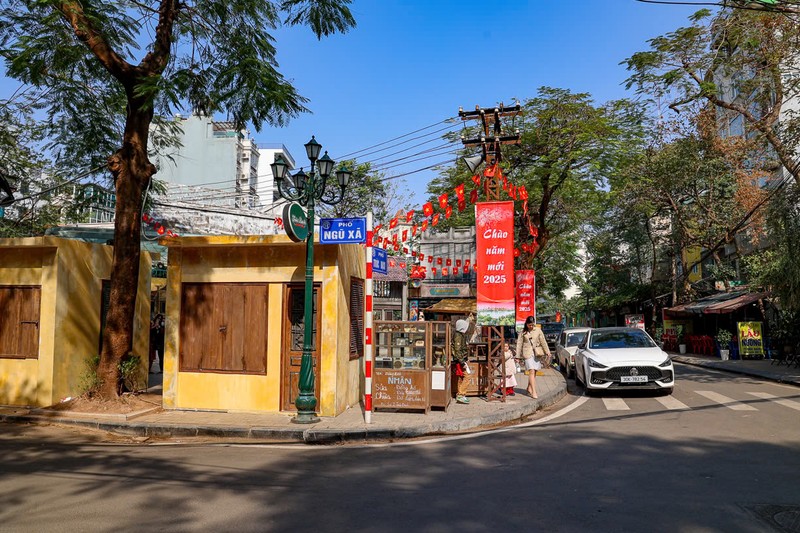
[{"x": 72, "y": 11}]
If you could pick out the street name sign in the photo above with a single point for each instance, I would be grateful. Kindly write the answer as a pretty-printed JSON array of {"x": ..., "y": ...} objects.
[
  {"x": 343, "y": 230},
  {"x": 379, "y": 261}
]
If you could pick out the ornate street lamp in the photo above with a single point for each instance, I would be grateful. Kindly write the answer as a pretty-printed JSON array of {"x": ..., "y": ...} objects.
[{"x": 307, "y": 190}]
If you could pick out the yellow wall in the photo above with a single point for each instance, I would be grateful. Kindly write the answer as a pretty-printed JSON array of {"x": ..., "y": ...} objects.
[
  {"x": 70, "y": 274},
  {"x": 690, "y": 256},
  {"x": 265, "y": 259}
]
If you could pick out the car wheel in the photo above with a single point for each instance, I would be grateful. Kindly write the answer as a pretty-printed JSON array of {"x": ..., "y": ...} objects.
[{"x": 666, "y": 392}]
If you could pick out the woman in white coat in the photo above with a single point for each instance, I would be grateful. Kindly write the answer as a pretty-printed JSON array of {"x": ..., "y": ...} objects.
[{"x": 532, "y": 347}]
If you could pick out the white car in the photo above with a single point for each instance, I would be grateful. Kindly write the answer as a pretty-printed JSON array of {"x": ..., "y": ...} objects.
[
  {"x": 621, "y": 359},
  {"x": 566, "y": 347}
]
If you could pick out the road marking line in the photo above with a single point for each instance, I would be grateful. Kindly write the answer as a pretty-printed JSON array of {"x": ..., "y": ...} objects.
[
  {"x": 730, "y": 403},
  {"x": 786, "y": 403},
  {"x": 671, "y": 403},
  {"x": 616, "y": 404}
]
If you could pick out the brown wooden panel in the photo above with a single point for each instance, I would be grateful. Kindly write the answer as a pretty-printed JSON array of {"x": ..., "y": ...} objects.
[
  {"x": 224, "y": 327},
  {"x": 255, "y": 332},
  {"x": 30, "y": 303},
  {"x": 19, "y": 321},
  {"x": 9, "y": 322},
  {"x": 356, "y": 318}
]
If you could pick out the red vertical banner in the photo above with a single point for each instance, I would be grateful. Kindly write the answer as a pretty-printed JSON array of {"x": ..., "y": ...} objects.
[
  {"x": 494, "y": 224},
  {"x": 526, "y": 295}
]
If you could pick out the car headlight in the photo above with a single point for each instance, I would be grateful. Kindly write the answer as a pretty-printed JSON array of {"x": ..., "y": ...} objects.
[
  {"x": 595, "y": 364},
  {"x": 666, "y": 363}
]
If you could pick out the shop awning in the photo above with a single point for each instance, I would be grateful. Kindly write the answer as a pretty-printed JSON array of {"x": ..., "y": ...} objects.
[
  {"x": 733, "y": 304},
  {"x": 462, "y": 306},
  {"x": 720, "y": 303}
]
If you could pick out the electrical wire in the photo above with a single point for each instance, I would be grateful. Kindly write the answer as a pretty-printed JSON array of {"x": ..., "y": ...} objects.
[
  {"x": 345, "y": 156},
  {"x": 76, "y": 178}
]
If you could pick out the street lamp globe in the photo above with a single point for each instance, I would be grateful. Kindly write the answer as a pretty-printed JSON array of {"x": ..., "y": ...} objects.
[
  {"x": 313, "y": 149},
  {"x": 343, "y": 176},
  {"x": 325, "y": 165}
]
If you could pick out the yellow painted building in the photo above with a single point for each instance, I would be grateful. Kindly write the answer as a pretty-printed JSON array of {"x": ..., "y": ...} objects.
[
  {"x": 691, "y": 257},
  {"x": 51, "y": 296},
  {"x": 235, "y": 323}
]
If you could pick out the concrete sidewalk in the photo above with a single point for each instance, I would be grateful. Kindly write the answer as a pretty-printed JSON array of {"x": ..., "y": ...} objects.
[
  {"x": 278, "y": 427},
  {"x": 763, "y": 368}
]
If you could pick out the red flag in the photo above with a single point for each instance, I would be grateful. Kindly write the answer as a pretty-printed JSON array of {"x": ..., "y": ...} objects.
[
  {"x": 392, "y": 262},
  {"x": 145, "y": 217},
  {"x": 421, "y": 256},
  {"x": 445, "y": 271},
  {"x": 443, "y": 200},
  {"x": 393, "y": 223},
  {"x": 523, "y": 192},
  {"x": 458, "y": 263},
  {"x": 462, "y": 204},
  {"x": 424, "y": 225},
  {"x": 405, "y": 235},
  {"x": 473, "y": 196},
  {"x": 466, "y": 270},
  {"x": 405, "y": 250},
  {"x": 476, "y": 180},
  {"x": 433, "y": 270},
  {"x": 427, "y": 209},
  {"x": 505, "y": 183},
  {"x": 377, "y": 228},
  {"x": 430, "y": 259},
  {"x": 460, "y": 192},
  {"x": 512, "y": 192},
  {"x": 413, "y": 230},
  {"x": 409, "y": 215},
  {"x": 490, "y": 171},
  {"x": 394, "y": 239},
  {"x": 435, "y": 219},
  {"x": 516, "y": 252},
  {"x": 466, "y": 262},
  {"x": 402, "y": 264},
  {"x": 448, "y": 212},
  {"x": 413, "y": 253},
  {"x": 396, "y": 247},
  {"x": 438, "y": 260},
  {"x": 449, "y": 262}
]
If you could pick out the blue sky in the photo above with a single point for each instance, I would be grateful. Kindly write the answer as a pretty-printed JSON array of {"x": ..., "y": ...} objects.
[{"x": 411, "y": 63}]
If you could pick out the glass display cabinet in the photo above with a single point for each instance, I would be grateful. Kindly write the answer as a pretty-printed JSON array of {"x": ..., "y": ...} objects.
[{"x": 411, "y": 362}]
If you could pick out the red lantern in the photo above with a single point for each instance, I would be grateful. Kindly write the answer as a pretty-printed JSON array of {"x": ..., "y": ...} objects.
[{"x": 160, "y": 229}]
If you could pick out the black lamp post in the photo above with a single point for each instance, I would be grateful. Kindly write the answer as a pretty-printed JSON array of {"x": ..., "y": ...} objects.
[{"x": 307, "y": 189}]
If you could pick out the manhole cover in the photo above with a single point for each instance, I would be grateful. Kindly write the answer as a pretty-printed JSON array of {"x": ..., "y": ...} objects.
[{"x": 781, "y": 517}]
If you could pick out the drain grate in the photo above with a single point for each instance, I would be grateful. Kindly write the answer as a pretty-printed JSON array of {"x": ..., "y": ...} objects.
[{"x": 784, "y": 518}]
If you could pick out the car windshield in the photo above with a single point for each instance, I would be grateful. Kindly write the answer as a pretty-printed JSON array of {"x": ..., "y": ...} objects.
[
  {"x": 635, "y": 338},
  {"x": 553, "y": 328},
  {"x": 574, "y": 339}
]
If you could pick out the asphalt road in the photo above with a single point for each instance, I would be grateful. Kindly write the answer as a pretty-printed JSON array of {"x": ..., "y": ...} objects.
[{"x": 721, "y": 454}]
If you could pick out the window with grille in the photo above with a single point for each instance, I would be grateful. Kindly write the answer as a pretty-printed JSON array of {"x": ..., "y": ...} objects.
[{"x": 356, "y": 318}]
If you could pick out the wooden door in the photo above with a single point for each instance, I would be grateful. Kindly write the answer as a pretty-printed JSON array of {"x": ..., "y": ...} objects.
[{"x": 292, "y": 346}]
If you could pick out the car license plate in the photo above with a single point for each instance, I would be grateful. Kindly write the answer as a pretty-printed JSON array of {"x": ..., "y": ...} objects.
[{"x": 633, "y": 379}]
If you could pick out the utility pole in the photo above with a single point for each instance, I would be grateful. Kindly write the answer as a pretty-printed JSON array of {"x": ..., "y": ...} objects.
[{"x": 492, "y": 137}]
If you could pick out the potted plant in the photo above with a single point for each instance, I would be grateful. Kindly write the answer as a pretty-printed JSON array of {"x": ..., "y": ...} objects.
[
  {"x": 679, "y": 330},
  {"x": 724, "y": 339},
  {"x": 659, "y": 332}
]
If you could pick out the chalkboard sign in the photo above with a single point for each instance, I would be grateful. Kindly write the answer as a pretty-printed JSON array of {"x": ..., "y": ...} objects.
[{"x": 401, "y": 389}]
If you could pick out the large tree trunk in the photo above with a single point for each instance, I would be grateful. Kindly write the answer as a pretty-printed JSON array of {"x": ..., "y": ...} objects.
[{"x": 132, "y": 171}]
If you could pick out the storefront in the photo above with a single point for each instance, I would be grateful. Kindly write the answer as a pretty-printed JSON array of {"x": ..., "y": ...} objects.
[
  {"x": 234, "y": 335},
  {"x": 53, "y": 297}
]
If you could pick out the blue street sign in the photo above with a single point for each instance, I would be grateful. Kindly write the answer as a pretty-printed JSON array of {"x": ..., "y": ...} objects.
[
  {"x": 343, "y": 230},
  {"x": 379, "y": 261}
]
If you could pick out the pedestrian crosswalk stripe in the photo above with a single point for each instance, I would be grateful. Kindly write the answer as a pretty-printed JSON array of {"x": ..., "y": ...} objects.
[
  {"x": 616, "y": 404},
  {"x": 671, "y": 403},
  {"x": 730, "y": 403},
  {"x": 767, "y": 396}
]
